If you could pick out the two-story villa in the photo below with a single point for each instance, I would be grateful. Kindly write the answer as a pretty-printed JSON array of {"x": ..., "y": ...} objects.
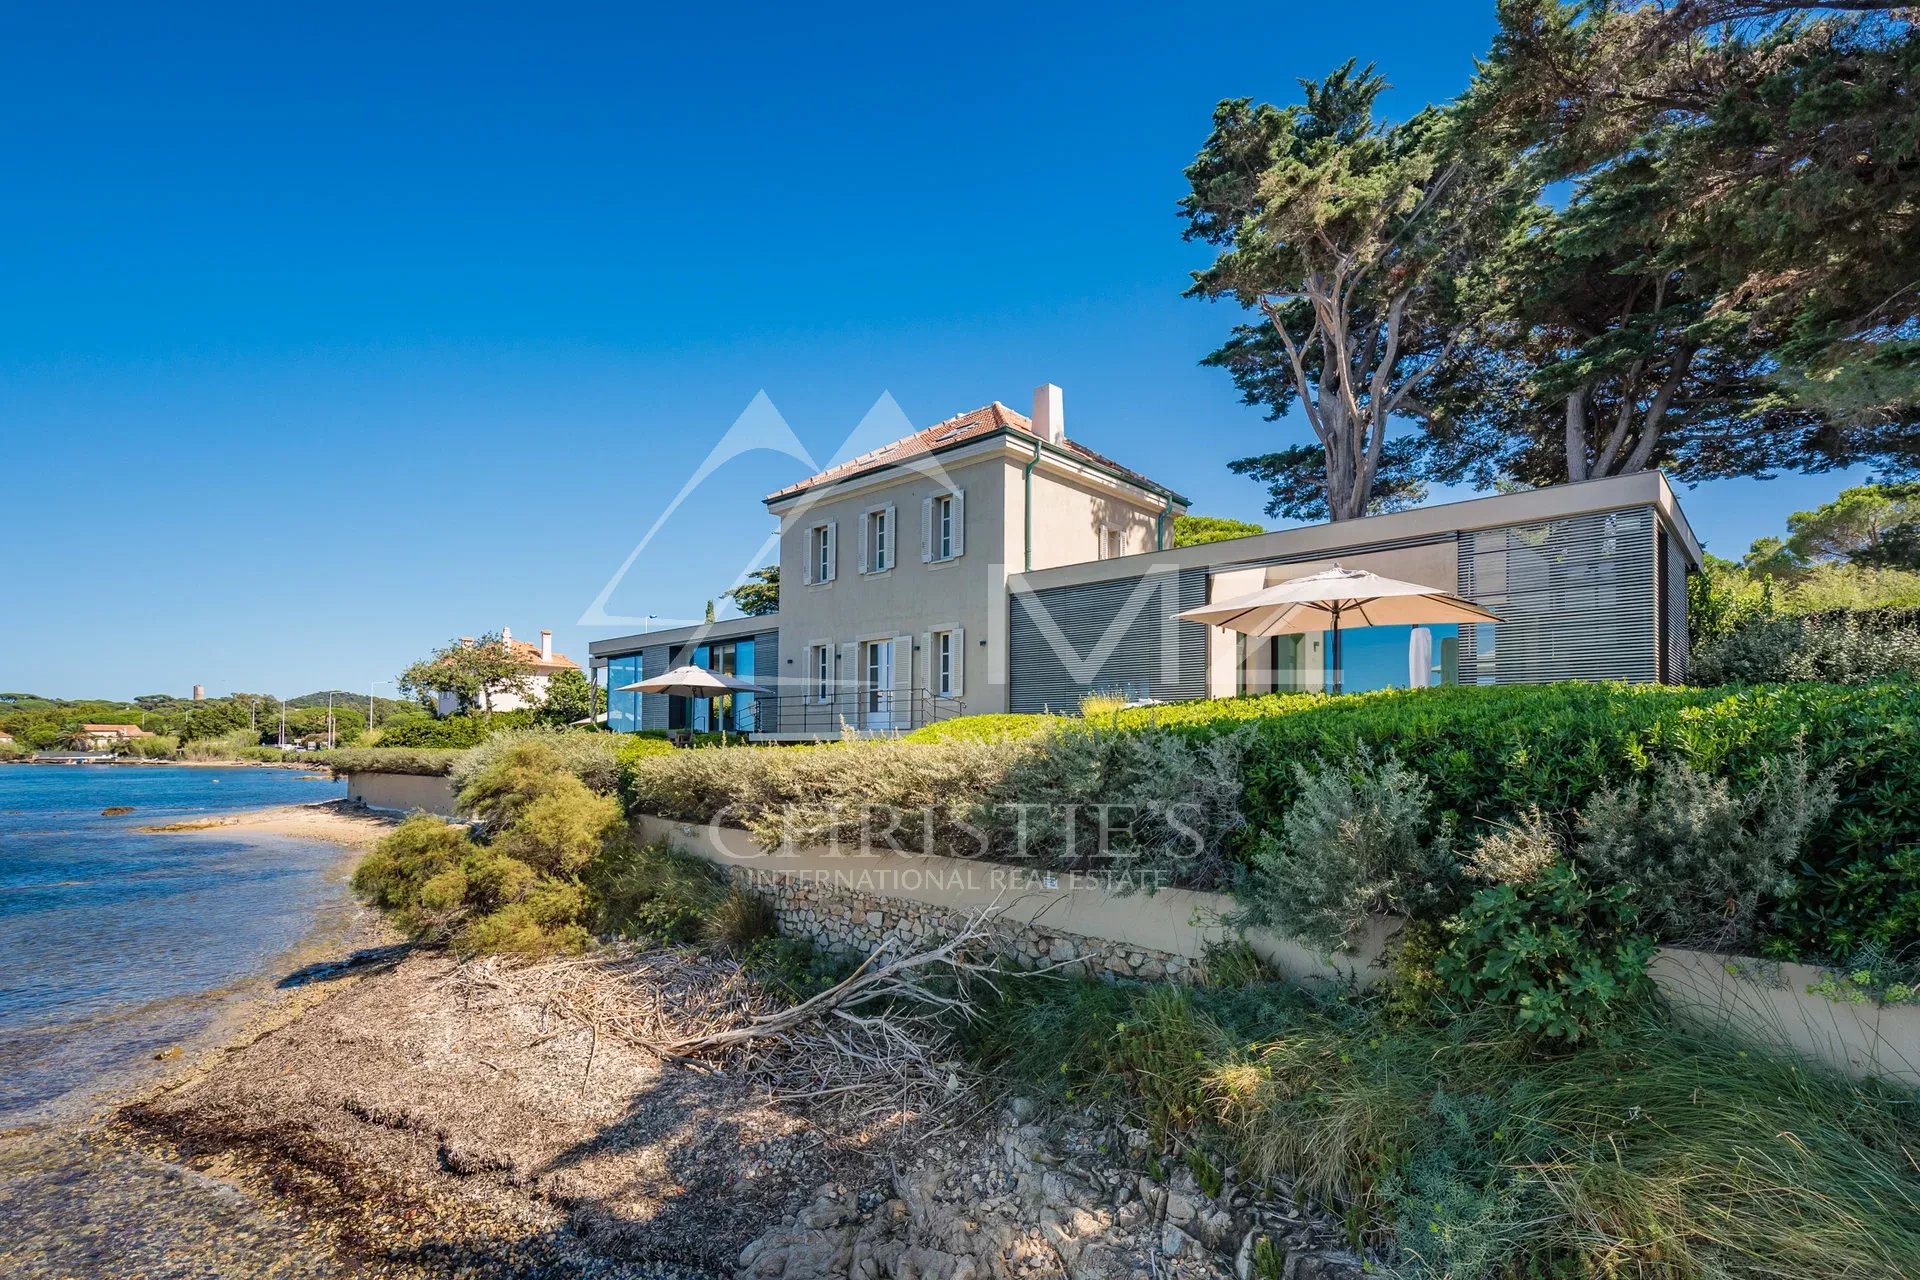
[{"x": 991, "y": 563}]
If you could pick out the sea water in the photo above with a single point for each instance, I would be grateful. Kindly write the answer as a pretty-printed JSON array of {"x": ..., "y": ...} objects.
[{"x": 117, "y": 944}]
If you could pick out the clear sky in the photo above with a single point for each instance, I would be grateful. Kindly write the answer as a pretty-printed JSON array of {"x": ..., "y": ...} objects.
[{"x": 330, "y": 334}]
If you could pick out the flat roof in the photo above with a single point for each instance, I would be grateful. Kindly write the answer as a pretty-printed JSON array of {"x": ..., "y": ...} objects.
[
  {"x": 725, "y": 629},
  {"x": 1528, "y": 506}
]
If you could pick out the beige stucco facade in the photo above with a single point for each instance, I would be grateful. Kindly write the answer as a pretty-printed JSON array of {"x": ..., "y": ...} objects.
[{"x": 937, "y": 588}]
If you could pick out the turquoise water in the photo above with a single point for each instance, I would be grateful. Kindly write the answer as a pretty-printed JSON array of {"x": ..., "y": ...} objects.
[{"x": 114, "y": 943}]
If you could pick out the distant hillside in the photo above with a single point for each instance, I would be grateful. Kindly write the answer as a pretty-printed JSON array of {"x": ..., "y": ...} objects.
[{"x": 382, "y": 707}]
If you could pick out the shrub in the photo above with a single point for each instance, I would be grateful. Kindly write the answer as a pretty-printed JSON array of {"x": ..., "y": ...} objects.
[
  {"x": 1555, "y": 954},
  {"x": 1663, "y": 1153},
  {"x": 984, "y": 728},
  {"x": 421, "y": 730},
  {"x": 1515, "y": 852},
  {"x": 511, "y": 779},
  {"x": 589, "y": 757},
  {"x": 159, "y": 746},
  {"x": 1142, "y": 803},
  {"x": 1356, "y": 842},
  {"x": 1701, "y": 858},
  {"x": 654, "y": 892},
  {"x": 429, "y": 762},
  {"x": 418, "y": 872},
  {"x": 829, "y": 793},
  {"x": 563, "y": 828},
  {"x": 740, "y": 920},
  {"x": 1770, "y": 648}
]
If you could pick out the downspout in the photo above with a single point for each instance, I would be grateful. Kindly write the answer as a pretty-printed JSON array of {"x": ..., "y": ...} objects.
[
  {"x": 1026, "y": 477},
  {"x": 1160, "y": 524}
]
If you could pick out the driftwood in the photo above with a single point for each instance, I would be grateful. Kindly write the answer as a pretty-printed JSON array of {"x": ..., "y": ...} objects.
[{"x": 872, "y": 1047}]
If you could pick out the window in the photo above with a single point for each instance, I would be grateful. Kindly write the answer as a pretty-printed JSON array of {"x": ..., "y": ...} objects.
[
  {"x": 820, "y": 553},
  {"x": 823, "y": 673},
  {"x": 943, "y": 527},
  {"x": 878, "y": 536},
  {"x": 1113, "y": 543},
  {"x": 946, "y": 665}
]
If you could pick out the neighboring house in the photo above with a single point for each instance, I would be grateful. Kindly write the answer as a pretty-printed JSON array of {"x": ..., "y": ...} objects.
[
  {"x": 541, "y": 657},
  {"x": 6, "y": 739},
  {"x": 103, "y": 736},
  {"x": 990, "y": 563}
]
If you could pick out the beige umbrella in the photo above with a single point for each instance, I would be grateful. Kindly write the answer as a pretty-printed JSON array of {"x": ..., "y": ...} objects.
[
  {"x": 694, "y": 682},
  {"x": 1322, "y": 601}
]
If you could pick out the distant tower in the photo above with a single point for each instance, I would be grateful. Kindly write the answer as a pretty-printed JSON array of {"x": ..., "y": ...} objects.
[{"x": 199, "y": 693}]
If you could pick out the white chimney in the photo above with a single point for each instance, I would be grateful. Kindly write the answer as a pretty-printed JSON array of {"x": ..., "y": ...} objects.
[
  {"x": 546, "y": 646},
  {"x": 1049, "y": 417},
  {"x": 506, "y": 636}
]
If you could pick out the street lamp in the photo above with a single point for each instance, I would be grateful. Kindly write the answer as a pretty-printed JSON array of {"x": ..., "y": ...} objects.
[{"x": 370, "y": 688}]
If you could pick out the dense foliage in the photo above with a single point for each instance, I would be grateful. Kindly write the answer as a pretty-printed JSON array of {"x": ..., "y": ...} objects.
[
  {"x": 433, "y": 762},
  {"x": 1650, "y": 1152},
  {"x": 1483, "y": 758}
]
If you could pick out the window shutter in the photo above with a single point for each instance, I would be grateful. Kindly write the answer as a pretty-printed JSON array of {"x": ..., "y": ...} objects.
[
  {"x": 891, "y": 543},
  {"x": 902, "y": 677},
  {"x": 866, "y": 518},
  {"x": 959, "y": 662},
  {"x": 833, "y": 550},
  {"x": 926, "y": 530},
  {"x": 806, "y": 566},
  {"x": 930, "y": 674},
  {"x": 959, "y": 522},
  {"x": 849, "y": 677}
]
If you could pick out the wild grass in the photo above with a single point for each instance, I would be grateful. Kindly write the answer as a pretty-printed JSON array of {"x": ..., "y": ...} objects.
[{"x": 1667, "y": 1153}]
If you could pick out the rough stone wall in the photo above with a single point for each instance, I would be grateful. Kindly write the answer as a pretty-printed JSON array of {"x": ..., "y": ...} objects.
[{"x": 844, "y": 919}]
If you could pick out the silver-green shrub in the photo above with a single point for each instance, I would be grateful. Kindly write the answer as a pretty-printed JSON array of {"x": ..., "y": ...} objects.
[
  {"x": 1771, "y": 649},
  {"x": 1700, "y": 857},
  {"x": 1358, "y": 841},
  {"x": 1144, "y": 804},
  {"x": 587, "y": 756},
  {"x": 1515, "y": 852}
]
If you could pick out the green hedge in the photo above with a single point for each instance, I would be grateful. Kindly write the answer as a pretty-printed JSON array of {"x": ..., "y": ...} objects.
[
  {"x": 449, "y": 731},
  {"x": 433, "y": 762},
  {"x": 984, "y": 728},
  {"x": 1489, "y": 753}
]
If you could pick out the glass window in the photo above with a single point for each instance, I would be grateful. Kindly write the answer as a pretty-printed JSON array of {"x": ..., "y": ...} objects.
[
  {"x": 943, "y": 663},
  {"x": 1381, "y": 657},
  {"x": 878, "y": 556},
  {"x": 623, "y": 709},
  {"x": 943, "y": 528},
  {"x": 823, "y": 672},
  {"x": 820, "y": 549}
]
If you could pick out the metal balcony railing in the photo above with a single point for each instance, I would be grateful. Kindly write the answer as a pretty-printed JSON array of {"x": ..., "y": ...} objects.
[{"x": 865, "y": 711}]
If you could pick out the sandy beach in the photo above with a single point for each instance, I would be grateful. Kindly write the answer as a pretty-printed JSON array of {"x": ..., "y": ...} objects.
[{"x": 334, "y": 821}]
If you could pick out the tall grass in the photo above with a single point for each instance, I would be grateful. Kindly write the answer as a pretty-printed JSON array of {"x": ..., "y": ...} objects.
[{"x": 1667, "y": 1154}]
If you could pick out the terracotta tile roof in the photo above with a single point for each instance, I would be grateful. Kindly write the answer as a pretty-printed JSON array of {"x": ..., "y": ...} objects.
[
  {"x": 124, "y": 730},
  {"x": 975, "y": 424},
  {"x": 528, "y": 652}
]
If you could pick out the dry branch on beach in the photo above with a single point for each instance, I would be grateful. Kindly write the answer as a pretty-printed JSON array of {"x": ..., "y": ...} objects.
[{"x": 871, "y": 1047}]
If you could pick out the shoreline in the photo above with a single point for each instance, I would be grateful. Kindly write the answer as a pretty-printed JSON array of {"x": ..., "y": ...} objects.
[{"x": 336, "y": 822}]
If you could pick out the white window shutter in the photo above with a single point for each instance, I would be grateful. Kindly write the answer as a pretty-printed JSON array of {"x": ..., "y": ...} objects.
[
  {"x": 930, "y": 672},
  {"x": 806, "y": 558},
  {"x": 926, "y": 530},
  {"x": 959, "y": 662},
  {"x": 833, "y": 550},
  {"x": 865, "y": 520},
  {"x": 849, "y": 674},
  {"x": 959, "y": 522},
  {"x": 892, "y": 541}
]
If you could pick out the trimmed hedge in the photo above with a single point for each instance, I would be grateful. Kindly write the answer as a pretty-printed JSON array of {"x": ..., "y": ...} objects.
[
  {"x": 431, "y": 762},
  {"x": 1490, "y": 753}
]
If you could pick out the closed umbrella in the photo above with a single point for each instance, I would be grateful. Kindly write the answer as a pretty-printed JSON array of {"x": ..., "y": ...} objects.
[
  {"x": 1323, "y": 601},
  {"x": 694, "y": 682}
]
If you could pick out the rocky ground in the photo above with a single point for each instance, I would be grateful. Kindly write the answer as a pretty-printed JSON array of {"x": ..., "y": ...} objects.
[{"x": 426, "y": 1122}]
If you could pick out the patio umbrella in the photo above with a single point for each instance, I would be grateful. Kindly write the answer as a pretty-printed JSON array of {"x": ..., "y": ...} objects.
[
  {"x": 1322, "y": 601},
  {"x": 694, "y": 682}
]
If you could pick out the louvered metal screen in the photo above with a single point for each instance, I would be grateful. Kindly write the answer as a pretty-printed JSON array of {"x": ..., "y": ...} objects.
[
  {"x": 1065, "y": 642},
  {"x": 1578, "y": 599},
  {"x": 653, "y": 707},
  {"x": 1674, "y": 637}
]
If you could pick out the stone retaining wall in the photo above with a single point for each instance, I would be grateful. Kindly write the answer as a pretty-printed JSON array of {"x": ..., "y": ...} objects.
[{"x": 846, "y": 920}]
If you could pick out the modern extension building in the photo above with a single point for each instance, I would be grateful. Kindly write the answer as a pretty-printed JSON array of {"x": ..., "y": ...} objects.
[{"x": 990, "y": 563}]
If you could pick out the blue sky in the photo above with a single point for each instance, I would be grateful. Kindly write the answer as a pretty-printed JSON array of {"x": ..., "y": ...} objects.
[{"x": 329, "y": 335}]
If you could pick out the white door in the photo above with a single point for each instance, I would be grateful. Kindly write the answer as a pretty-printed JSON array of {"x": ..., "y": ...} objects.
[{"x": 879, "y": 684}]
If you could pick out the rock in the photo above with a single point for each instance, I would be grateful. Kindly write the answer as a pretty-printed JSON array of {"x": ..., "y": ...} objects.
[
  {"x": 116, "y": 810},
  {"x": 1180, "y": 1210},
  {"x": 167, "y": 1054},
  {"x": 1173, "y": 1241}
]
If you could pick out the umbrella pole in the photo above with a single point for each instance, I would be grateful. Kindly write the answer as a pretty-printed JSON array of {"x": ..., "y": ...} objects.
[{"x": 1338, "y": 674}]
